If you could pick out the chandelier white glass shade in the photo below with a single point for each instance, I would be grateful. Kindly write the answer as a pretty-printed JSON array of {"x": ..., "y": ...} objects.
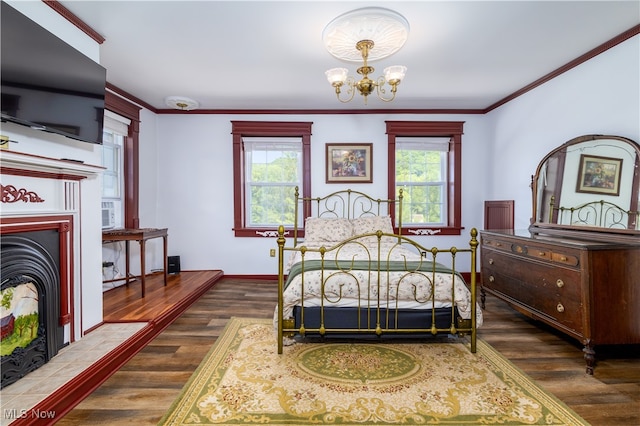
[{"x": 376, "y": 33}]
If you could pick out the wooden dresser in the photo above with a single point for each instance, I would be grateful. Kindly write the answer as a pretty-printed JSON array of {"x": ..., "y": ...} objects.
[{"x": 588, "y": 289}]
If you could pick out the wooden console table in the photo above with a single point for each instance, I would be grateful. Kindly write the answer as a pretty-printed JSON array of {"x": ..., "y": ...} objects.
[{"x": 141, "y": 236}]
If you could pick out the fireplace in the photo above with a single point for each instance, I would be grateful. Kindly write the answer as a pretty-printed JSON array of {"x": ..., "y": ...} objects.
[
  {"x": 32, "y": 332},
  {"x": 40, "y": 264}
]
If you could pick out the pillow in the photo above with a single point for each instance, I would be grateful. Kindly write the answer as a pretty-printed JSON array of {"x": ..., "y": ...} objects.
[
  {"x": 327, "y": 230},
  {"x": 370, "y": 224}
]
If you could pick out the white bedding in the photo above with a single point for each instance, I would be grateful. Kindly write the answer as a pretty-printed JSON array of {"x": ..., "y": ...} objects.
[{"x": 352, "y": 287}]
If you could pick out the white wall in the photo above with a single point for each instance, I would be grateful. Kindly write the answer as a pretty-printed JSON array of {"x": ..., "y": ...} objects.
[
  {"x": 88, "y": 285},
  {"x": 601, "y": 96},
  {"x": 195, "y": 177}
]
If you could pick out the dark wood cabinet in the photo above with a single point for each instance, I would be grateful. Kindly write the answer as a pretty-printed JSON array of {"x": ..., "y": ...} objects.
[{"x": 588, "y": 289}]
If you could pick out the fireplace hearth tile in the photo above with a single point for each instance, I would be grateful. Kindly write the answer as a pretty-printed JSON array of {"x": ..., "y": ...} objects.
[{"x": 71, "y": 361}]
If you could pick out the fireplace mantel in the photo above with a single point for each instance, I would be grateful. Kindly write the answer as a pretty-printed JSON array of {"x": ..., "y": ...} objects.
[
  {"x": 18, "y": 163},
  {"x": 39, "y": 192},
  {"x": 33, "y": 184}
]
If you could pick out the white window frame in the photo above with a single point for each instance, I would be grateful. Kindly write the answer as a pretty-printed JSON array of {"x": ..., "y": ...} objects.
[
  {"x": 434, "y": 144},
  {"x": 118, "y": 126},
  {"x": 252, "y": 145}
]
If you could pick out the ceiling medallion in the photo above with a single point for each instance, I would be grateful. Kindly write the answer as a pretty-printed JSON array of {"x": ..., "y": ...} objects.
[
  {"x": 182, "y": 103},
  {"x": 386, "y": 28}
]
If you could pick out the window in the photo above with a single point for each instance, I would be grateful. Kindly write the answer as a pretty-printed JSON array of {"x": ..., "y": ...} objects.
[
  {"x": 114, "y": 132},
  {"x": 270, "y": 160},
  {"x": 273, "y": 169},
  {"x": 425, "y": 161},
  {"x": 421, "y": 172}
]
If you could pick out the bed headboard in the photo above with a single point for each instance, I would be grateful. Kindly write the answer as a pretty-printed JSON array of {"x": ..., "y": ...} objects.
[
  {"x": 598, "y": 213},
  {"x": 346, "y": 204}
]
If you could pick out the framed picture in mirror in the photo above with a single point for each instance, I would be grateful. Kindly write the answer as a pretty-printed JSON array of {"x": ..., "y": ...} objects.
[{"x": 599, "y": 175}]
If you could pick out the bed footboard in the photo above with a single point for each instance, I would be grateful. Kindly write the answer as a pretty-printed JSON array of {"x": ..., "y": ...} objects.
[{"x": 380, "y": 278}]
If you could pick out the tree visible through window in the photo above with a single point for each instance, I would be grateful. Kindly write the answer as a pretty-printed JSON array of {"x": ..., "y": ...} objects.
[{"x": 270, "y": 159}]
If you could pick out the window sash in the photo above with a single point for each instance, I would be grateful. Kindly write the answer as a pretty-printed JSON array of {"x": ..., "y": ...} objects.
[
  {"x": 115, "y": 130},
  {"x": 112, "y": 161},
  {"x": 425, "y": 196},
  {"x": 431, "y": 210},
  {"x": 269, "y": 184}
]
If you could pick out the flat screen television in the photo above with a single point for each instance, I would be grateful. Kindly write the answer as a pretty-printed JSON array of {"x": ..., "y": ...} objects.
[{"x": 46, "y": 83}]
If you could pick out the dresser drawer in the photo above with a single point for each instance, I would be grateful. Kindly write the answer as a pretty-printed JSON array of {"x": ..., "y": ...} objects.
[
  {"x": 546, "y": 288},
  {"x": 540, "y": 252},
  {"x": 565, "y": 258},
  {"x": 497, "y": 243}
]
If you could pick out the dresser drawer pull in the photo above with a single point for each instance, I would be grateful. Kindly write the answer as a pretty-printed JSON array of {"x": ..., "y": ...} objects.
[
  {"x": 491, "y": 262},
  {"x": 541, "y": 253},
  {"x": 498, "y": 245},
  {"x": 491, "y": 278},
  {"x": 560, "y": 283},
  {"x": 560, "y": 308},
  {"x": 563, "y": 258}
]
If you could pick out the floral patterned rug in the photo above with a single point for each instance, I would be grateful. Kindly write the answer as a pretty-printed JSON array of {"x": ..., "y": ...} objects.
[{"x": 243, "y": 380}]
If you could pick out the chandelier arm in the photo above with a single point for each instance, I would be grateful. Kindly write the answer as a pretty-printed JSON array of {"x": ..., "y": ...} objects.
[
  {"x": 380, "y": 91},
  {"x": 350, "y": 84}
]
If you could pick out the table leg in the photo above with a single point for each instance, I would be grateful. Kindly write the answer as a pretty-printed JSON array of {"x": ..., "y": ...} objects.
[
  {"x": 166, "y": 259},
  {"x": 142, "y": 265},
  {"x": 126, "y": 262}
]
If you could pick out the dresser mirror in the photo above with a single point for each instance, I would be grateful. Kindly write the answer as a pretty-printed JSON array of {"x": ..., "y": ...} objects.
[{"x": 590, "y": 183}]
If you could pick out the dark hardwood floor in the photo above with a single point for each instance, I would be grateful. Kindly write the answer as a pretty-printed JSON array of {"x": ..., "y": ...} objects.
[{"x": 142, "y": 389}]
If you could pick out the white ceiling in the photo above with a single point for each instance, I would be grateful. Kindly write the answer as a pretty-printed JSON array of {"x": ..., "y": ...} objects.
[{"x": 270, "y": 54}]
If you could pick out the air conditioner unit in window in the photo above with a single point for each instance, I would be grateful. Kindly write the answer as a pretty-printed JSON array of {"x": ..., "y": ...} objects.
[{"x": 108, "y": 215}]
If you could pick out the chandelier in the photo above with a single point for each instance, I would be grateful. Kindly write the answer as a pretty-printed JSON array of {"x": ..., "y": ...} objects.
[{"x": 376, "y": 33}]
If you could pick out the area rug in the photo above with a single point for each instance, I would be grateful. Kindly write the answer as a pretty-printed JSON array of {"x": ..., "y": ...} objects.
[{"x": 243, "y": 380}]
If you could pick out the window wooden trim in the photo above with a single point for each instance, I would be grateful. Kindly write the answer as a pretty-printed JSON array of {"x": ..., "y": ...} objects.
[
  {"x": 130, "y": 151},
  {"x": 242, "y": 129},
  {"x": 451, "y": 129}
]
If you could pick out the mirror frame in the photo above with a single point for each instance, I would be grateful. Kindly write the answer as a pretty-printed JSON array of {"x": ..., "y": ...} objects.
[{"x": 600, "y": 233}]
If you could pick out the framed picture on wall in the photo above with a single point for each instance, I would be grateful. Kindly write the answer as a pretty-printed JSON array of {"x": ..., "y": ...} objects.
[
  {"x": 349, "y": 163},
  {"x": 599, "y": 175}
]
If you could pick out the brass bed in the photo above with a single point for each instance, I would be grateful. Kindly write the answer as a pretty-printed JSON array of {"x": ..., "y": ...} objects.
[{"x": 355, "y": 276}]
